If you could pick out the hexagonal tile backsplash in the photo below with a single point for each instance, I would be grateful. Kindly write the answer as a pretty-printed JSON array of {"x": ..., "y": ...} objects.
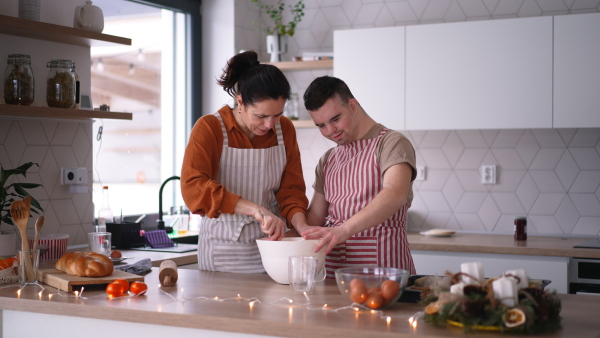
[
  {"x": 52, "y": 145},
  {"x": 552, "y": 176}
]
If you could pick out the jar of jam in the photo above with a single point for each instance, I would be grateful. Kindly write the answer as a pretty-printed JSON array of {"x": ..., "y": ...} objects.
[
  {"x": 60, "y": 88},
  {"x": 521, "y": 229},
  {"x": 18, "y": 80}
]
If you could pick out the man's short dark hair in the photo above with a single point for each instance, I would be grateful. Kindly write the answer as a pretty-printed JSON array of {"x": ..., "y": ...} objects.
[{"x": 324, "y": 88}]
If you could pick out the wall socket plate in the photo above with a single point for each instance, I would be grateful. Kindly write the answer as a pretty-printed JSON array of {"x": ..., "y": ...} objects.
[
  {"x": 421, "y": 171},
  {"x": 488, "y": 174},
  {"x": 74, "y": 176}
]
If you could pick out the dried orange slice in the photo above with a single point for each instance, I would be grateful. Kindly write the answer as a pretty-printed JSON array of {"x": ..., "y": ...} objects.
[
  {"x": 432, "y": 308},
  {"x": 514, "y": 317}
]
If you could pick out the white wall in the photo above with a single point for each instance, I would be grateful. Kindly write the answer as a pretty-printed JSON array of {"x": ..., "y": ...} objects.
[{"x": 218, "y": 47}]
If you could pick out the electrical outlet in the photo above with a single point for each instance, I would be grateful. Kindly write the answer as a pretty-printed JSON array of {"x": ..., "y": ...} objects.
[
  {"x": 488, "y": 174},
  {"x": 420, "y": 173},
  {"x": 74, "y": 176}
]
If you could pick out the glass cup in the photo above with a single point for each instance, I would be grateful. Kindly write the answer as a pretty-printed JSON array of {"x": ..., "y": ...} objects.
[
  {"x": 100, "y": 242},
  {"x": 302, "y": 273},
  {"x": 29, "y": 262}
]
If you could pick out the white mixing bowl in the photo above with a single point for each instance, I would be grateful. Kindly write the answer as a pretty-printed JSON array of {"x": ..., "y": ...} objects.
[{"x": 275, "y": 254}]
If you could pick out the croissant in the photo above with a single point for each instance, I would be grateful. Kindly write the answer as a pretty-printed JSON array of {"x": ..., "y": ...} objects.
[{"x": 85, "y": 264}]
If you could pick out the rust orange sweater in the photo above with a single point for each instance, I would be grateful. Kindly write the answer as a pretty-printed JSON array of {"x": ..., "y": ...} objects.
[{"x": 201, "y": 192}]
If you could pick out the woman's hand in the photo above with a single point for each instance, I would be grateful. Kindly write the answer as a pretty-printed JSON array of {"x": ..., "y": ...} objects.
[{"x": 271, "y": 225}]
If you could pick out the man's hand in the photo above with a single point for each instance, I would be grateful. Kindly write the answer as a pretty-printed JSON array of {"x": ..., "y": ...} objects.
[{"x": 329, "y": 237}]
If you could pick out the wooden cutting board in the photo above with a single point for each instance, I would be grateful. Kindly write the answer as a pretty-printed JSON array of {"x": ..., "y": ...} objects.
[{"x": 61, "y": 280}]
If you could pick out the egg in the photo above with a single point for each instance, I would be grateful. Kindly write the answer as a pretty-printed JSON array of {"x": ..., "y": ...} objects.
[
  {"x": 115, "y": 254},
  {"x": 375, "y": 289},
  {"x": 389, "y": 289},
  {"x": 358, "y": 295},
  {"x": 374, "y": 300},
  {"x": 357, "y": 282}
]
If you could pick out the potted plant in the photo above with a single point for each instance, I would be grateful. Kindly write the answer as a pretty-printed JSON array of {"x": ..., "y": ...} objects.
[
  {"x": 278, "y": 33},
  {"x": 10, "y": 192}
]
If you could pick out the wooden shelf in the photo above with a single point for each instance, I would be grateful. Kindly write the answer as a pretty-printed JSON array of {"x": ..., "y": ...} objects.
[
  {"x": 60, "y": 113},
  {"x": 303, "y": 124},
  {"x": 304, "y": 65},
  {"x": 56, "y": 33}
]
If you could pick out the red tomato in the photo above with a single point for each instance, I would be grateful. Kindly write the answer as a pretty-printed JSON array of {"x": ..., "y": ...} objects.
[
  {"x": 138, "y": 288},
  {"x": 114, "y": 289},
  {"x": 124, "y": 283}
]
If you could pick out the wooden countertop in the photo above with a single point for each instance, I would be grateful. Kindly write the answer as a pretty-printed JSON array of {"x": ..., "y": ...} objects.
[
  {"x": 503, "y": 244},
  {"x": 222, "y": 301}
]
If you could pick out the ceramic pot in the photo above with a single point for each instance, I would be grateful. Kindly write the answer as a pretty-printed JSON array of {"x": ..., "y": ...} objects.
[
  {"x": 89, "y": 17},
  {"x": 277, "y": 45}
]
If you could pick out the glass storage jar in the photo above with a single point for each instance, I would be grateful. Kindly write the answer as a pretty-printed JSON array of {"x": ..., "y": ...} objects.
[
  {"x": 60, "y": 89},
  {"x": 18, "y": 80}
]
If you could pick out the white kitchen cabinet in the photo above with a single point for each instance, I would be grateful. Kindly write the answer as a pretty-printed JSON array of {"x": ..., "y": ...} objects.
[
  {"x": 553, "y": 269},
  {"x": 371, "y": 62},
  {"x": 576, "y": 71},
  {"x": 488, "y": 74}
]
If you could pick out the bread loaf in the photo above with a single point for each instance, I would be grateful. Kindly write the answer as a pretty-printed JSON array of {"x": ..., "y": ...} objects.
[{"x": 85, "y": 264}]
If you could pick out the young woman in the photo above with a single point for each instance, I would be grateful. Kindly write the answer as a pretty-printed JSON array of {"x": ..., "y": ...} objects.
[{"x": 242, "y": 170}]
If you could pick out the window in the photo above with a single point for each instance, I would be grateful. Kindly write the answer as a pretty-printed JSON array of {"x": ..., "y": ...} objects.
[{"x": 153, "y": 79}]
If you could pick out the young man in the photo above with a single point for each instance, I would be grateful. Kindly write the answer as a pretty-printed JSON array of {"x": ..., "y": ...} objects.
[{"x": 363, "y": 186}]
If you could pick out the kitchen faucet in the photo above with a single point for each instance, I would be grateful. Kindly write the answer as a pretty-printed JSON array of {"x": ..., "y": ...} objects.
[{"x": 159, "y": 221}]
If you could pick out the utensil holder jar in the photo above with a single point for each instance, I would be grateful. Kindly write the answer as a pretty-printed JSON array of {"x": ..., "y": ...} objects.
[{"x": 60, "y": 89}]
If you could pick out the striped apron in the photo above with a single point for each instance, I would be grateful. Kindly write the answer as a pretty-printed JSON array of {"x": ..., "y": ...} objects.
[
  {"x": 352, "y": 179},
  {"x": 228, "y": 243}
]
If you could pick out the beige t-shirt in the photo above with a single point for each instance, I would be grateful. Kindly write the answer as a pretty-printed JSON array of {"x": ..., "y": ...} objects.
[{"x": 394, "y": 148}]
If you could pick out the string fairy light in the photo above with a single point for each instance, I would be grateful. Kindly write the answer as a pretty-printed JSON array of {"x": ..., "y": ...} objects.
[{"x": 356, "y": 309}]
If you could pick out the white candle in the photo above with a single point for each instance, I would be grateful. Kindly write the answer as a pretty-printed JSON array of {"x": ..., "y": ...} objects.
[
  {"x": 523, "y": 279},
  {"x": 475, "y": 270},
  {"x": 505, "y": 290},
  {"x": 457, "y": 288}
]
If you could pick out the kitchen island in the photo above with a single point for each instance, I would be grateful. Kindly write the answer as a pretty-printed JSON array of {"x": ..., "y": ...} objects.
[{"x": 230, "y": 305}]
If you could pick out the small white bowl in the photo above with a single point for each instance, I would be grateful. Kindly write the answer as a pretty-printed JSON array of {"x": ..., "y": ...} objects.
[{"x": 275, "y": 255}]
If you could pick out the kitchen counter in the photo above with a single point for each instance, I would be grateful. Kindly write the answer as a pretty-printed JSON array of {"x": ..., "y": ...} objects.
[
  {"x": 503, "y": 244},
  {"x": 243, "y": 303},
  {"x": 158, "y": 257}
]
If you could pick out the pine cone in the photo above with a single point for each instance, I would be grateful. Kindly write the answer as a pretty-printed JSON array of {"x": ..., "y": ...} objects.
[
  {"x": 472, "y": 290},
  {"x": 473, "y": 308},
  {"x": 542, "y": 313}
]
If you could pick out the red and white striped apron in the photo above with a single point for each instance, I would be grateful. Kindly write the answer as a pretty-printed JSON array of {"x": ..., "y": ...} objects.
[
  {"x": 228, "y": 243},
  {"x": 352, "y": 179}
]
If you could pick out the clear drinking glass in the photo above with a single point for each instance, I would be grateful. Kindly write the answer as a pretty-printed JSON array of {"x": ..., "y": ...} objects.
[
  {"x": 29, "y": 262},
  {"x": 100, "y": 242},
  {"x": 302, "y": 272}
]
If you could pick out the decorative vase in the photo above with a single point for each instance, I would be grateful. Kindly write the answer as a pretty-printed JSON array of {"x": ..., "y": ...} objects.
[
  {"x": 277, "y": 45},
  {"x": 89, "y": 17},
  {"x": 29, "y": 9}
]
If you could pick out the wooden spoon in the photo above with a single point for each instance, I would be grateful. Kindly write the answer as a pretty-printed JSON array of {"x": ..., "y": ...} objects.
[
  {"x": 38, "y": 228},
  {"x": 19, "y": 211}
]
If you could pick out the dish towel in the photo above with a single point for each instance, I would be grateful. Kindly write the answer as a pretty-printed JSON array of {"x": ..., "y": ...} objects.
[{"x": 138, "y": 268}]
